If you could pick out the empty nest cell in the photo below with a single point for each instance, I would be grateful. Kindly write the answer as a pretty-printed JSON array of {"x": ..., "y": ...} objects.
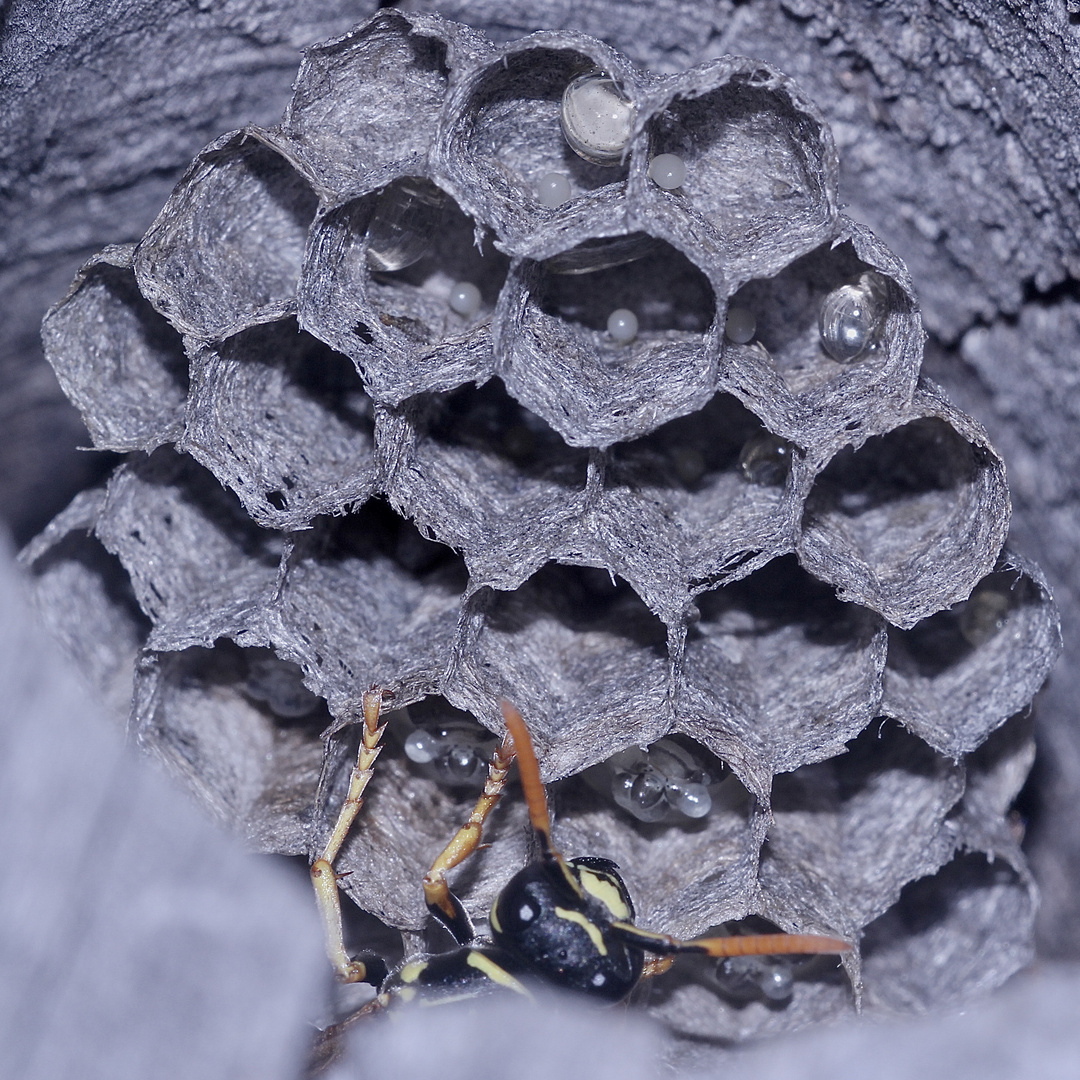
[
  {"x": 366, "y": 600},
  {"x": 489, "y": 478},
  {"x": 780, "y": 669},
  {"x": 85, "y": 599},
  {"x": 396, "y": 281},
  {"x": 849, "y": 833},
  {"x": 285, "y": 422},
  {"x": 704, "y": 499},
  {"x": 909, "y": 521},
  {"x": 197, "y": 563},
  {"x": 956, "y": 675},
  {"x": 242, "y": 731},
  {"x": 759, "y": 165},
  {"x": 371, "y": 98},
  {"x": 119, "y": 362},
  {"x": 610, "y": 354},
  {"x": 578, "y": 653},
  {"x": 951, "y": 936},
  {"x": 226, "y": 249}
]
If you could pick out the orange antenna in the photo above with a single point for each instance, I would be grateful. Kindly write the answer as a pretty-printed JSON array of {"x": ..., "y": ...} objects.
[
  {"x": 767, "y": 944},
  {"x": 529, "y": 772}
]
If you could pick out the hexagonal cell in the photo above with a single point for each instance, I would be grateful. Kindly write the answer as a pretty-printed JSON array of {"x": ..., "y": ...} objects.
[
  {"x": 85, "y": 599},
  {"x": 118, "y": 361},
  {"x": 406, "y": 822},
  {"x": 199, "y": 566},
  {"x": 503, "y": 140},
  {"x": 956, "y": 675},
  {"x": 565, "y": 354},
  {"x": 910, "y": 519},
  {"x": 840, "y": 328},
  {"x": 700, "y": 501},
  {"x": 372, "y": 97},
  {"x": 366, "y": 600},
  {"x": 489, "y": 478},
  {"x": 683, "y": 874},
  {"x": 226, "y": 249},
  {"x": 849, "y": 833},
  {"x": 419, "y": 328},
  {"x": 284, "y": 421},
  {"x": 951, "y": 936},
  {"x": 241, "y": 732},
  {"x": 777, "y": 664},
  {"x": 578, "y": 653},
  {"x": 989, "y": 818},
  {"x": 760, "y": 165}
]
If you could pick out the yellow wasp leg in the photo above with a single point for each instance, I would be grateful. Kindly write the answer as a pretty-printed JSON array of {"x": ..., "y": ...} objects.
[
  {"x": 440, "y": 900},
  {"x": 323, "y": 878}
]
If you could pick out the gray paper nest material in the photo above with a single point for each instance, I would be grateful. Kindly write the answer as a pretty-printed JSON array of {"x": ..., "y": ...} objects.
[{"x": 589, "y": 539}]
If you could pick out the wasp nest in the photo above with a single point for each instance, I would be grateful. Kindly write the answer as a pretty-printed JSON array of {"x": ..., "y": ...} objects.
[{"x": 524, "y": 373}]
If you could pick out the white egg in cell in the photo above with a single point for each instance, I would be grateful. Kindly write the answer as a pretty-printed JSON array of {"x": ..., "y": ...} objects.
[
  {"x": 464, "y": 299},
  {"x": 622, "y": 326},
  {"x": 553, "y": 190},
  {"x": 667, "y": 171}
]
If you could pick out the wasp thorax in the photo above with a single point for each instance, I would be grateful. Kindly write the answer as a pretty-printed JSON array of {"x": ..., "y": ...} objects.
[
  {"x": 597, "y": 118},
  {"x": 852, "y": 316},
  {"x": 407, "y": 216}
]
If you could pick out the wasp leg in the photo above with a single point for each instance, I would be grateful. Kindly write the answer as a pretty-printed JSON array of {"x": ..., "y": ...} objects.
[
  {"x": 735, "y": 945},
  {"x": 656, "y": 965},
  {"x": 323, "y": 878},
  {"x": 441, "y": 902}
]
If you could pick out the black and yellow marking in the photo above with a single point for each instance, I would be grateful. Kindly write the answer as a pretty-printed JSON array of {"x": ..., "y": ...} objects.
[
  {"x": 569, "y": 922},
  {"x": 461, "y": 972}
]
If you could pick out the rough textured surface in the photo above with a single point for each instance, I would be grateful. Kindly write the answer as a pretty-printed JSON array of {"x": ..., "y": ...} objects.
[{"x": 815, "y": 58}]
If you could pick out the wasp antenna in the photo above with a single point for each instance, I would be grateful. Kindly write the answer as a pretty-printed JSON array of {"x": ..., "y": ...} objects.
[
  {"x": 735, "y": 945},
  {"x": 767, "y": 944},
  {"x": 529, "y": 771}
]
